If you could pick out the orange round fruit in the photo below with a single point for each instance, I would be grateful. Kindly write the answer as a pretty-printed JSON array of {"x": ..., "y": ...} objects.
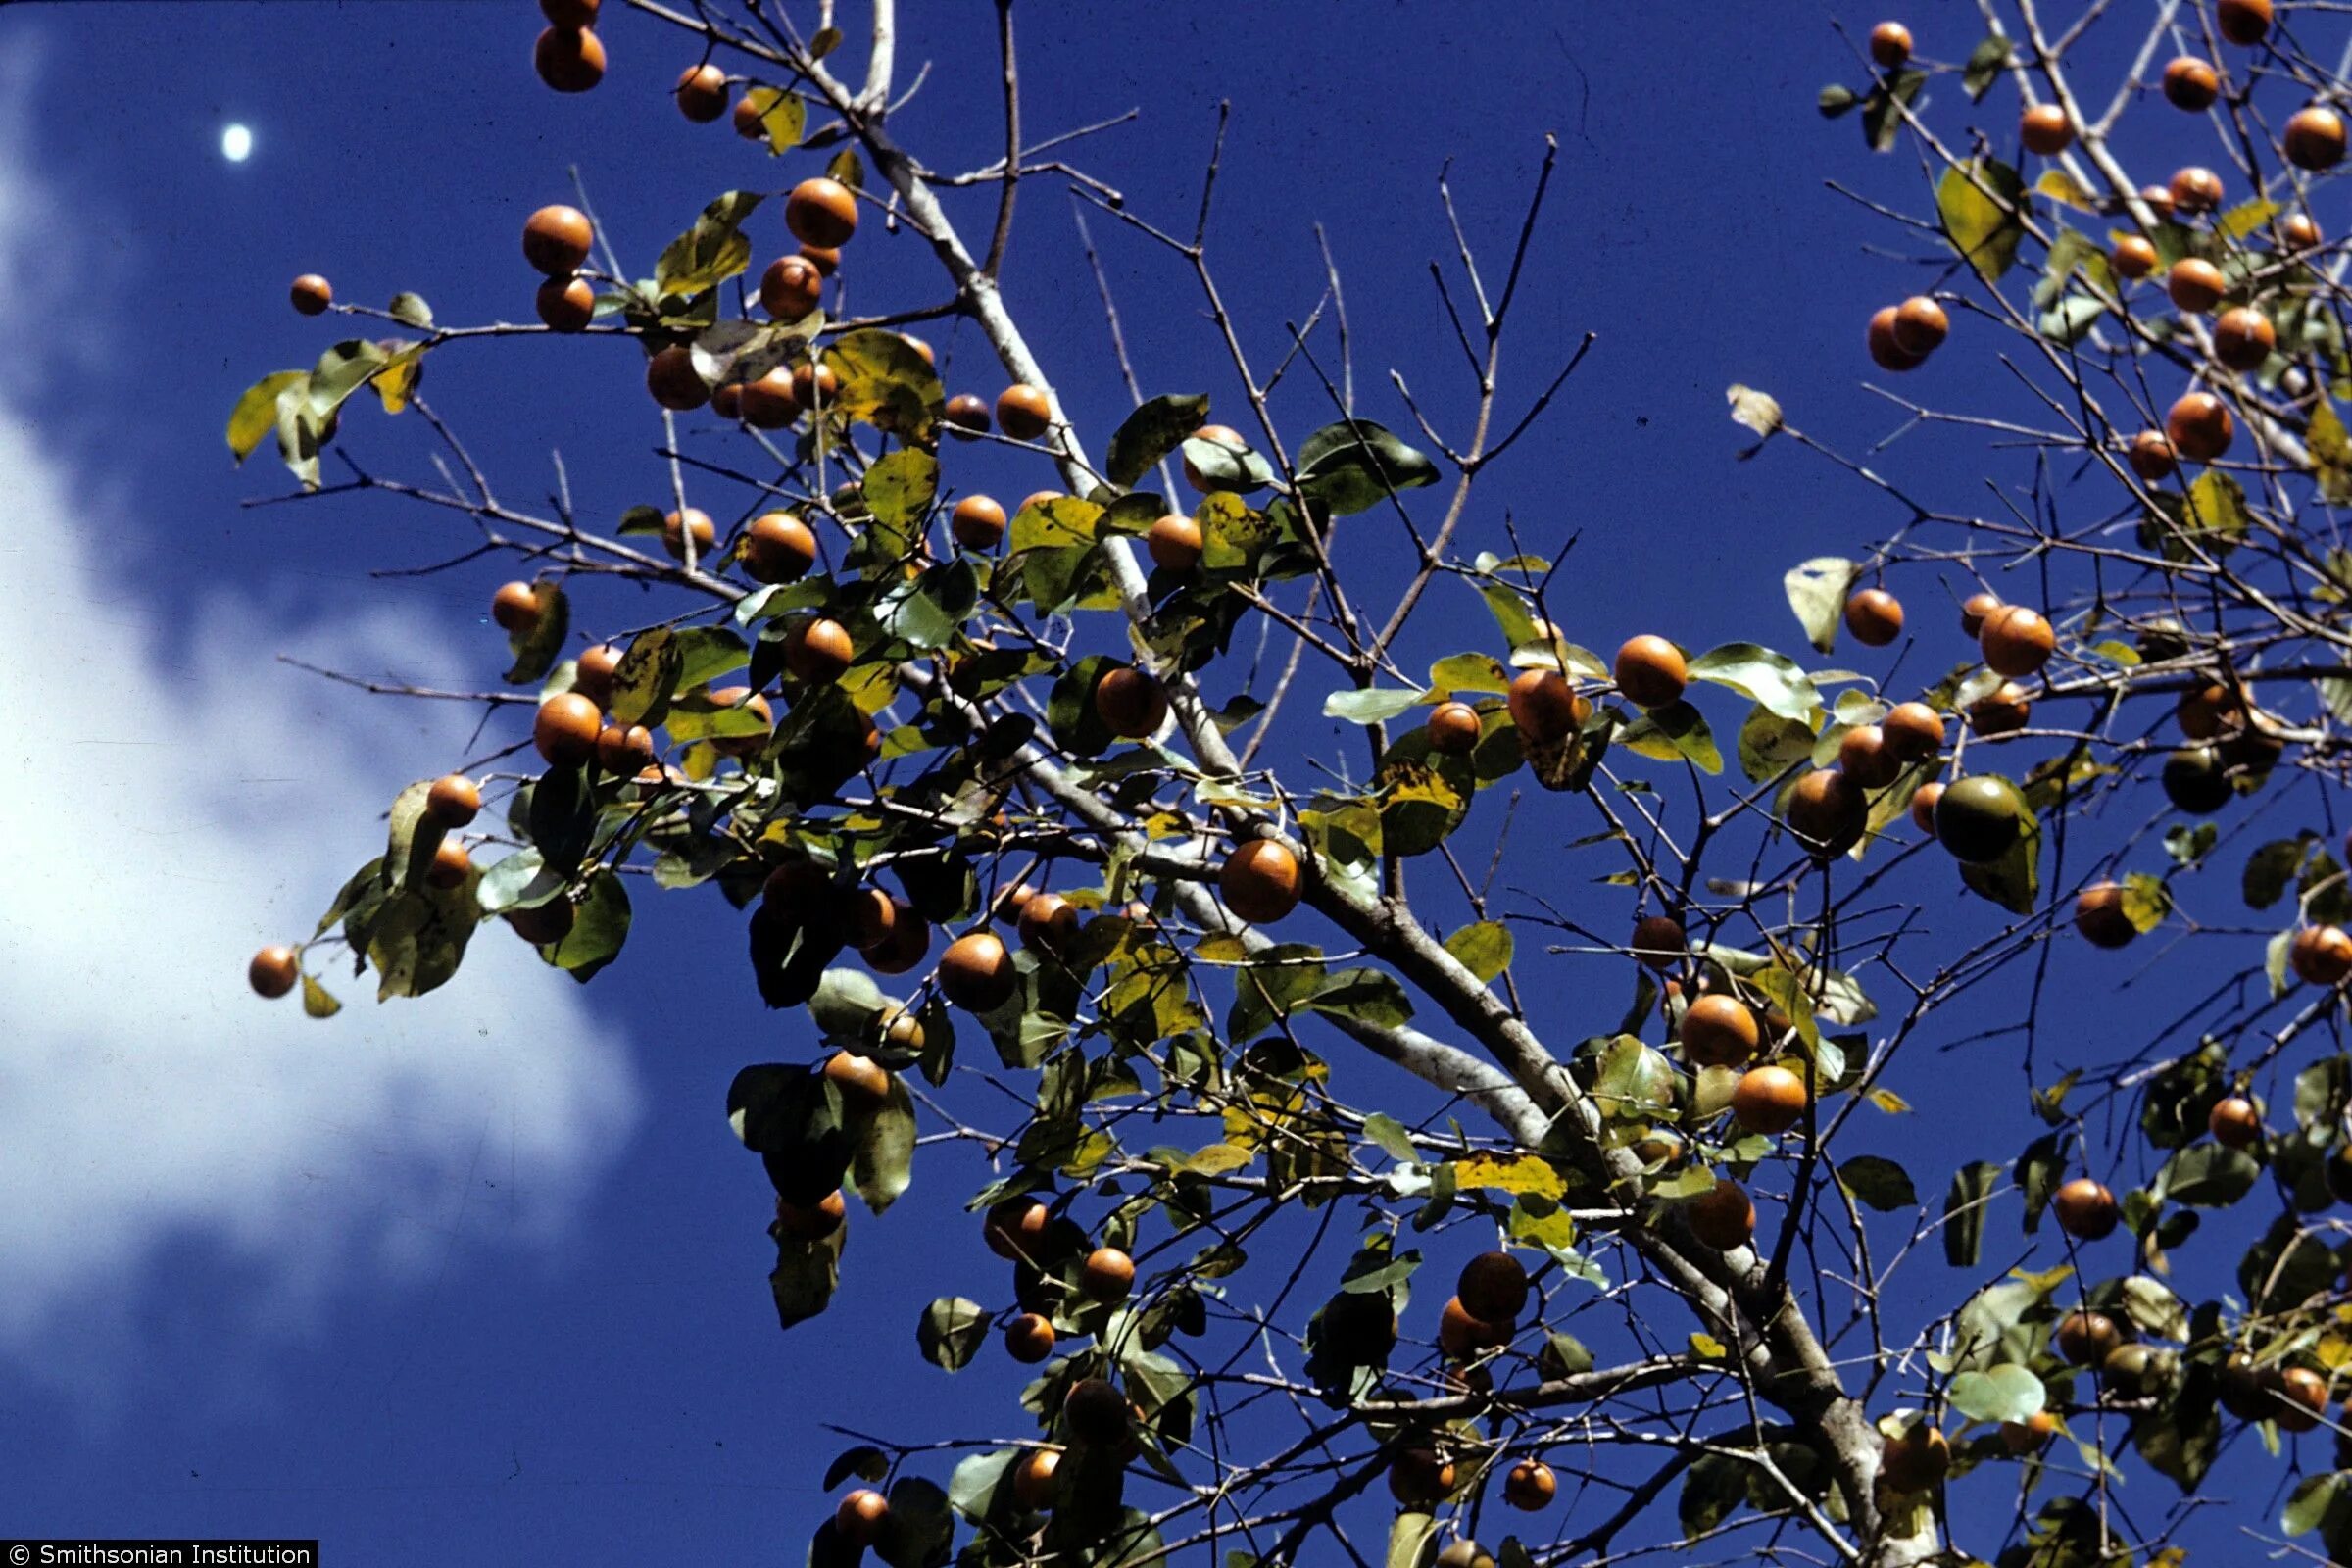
[
  {"x": 2234, "y": 1122},
  {"x": 1914, "y": 732},
  {"x": 2194, "y": 190},
  {"x": 2099, "y": 917},
  {"x": 555, "y": 240},
  {"x": 967, "y": 415},
  {"x": 826, "y": 259},
  {"x": 1048, "y": 921},
  {"x": 1131, "y": 704},
  {"x": 1016, "y": 1227},
  {"x": 902, "y": 945},
  {"x": 568, "y": 59},
  {"x": 2003, "y": 711},
  {"x": 679, "y": 527},
  {"x": 566, "y": 303},
  {"x": 453, "y": 801},
  {"x": 1494, "y": 1288},
  {"x": 2151, "y": 457},
  {"x": 2300, "y": 1399},
  {"x": 976, "y": 973},
  {"x": 2314, "y": 138},
  {"x": 1175, "y": 543},
  {"x": 2045, "y": 130},
  {"x": 920, "y": 347},
  {"x": 2299, "y": 231},
  {"x": 2191, "y": 83},
  {"x": 1453, "y": 728},
  {"x": 1462, "y": 1335},
  {"x": 1719, "y": 1031},
  {"x": 1530, "y": 1485},
  {"x": 2085, "y": 1337},
  {"x": 1420, "y": 1477},
  {"x": 1723, "y": 1218},
  {"x": 1544, "y": 707},
  {"x": 2086, "y": 1210},
  {"x": 2159, "y": 201},
  {"x": 592, "y": 676},
  {"x": 2320, "y": 954},
  {"x": 1975, "y": 610},
  {"x": 1029, "y": 1338},
  {"x": 1094, "y": 1412},
  {"x": 818, "y": 650},
  {"x": 861, "y": 1080},
  {"x": 1828, "y": 811},
  {"x": 2032, "y": 1434},
  {"x": 2199, "y": 426},
  {"x": 770, "y": 402},
  {"x": 273, "y": 971},
  {"x": 1916, "y": 1460},
  {"x": 1660, "y": 942},
  {"x": 2245, "y": 23},
  {"x": 778, "y": 548},
  {"x": 1921, "y": 326},
  {"x": 811, "y": 1222},
  {"x": 674, "y": 381},
  {"x": 821, "y": 212},
  {"x": 312, "y": 294},
  {"x": 1769, "y": 1100},
  {"x": 516, "y": 607},
  {"x": 1875, "y": 616},
  {"x": 859, "y": 1521},
  {"x": 1024, "y": 412},
  {"x": 1923, "y": 807},
  {"x": 977, "y": 523},
  {"x": 813, "y": 384},
  {"x": 1108, "y": 1274},
  {"x": 1033, "y": 1476},
  {"x": 2194, "y": 285},
  {"x": 1885, "y": 352},
  {"x": 2134, "y": 257},
  {"x": 451, "y": 866},
  {"x": 570, "y": 12},
  {"x": 750, "y": 117},
  {"x": 791, "y": 288},
  {"x": 2243, "y": 338},
  {"x": 1864, "y": 758},
  {"x": 2015, "y": 641},
  {"x": 1222, "y": 435},
  {"x": 566, "y": 729},
  {"x": 1260, "y": 881},
  {"x": 1650, "y": 671},
  {"x": 701, "y": 93},
  {"x": 1890, "y": 45},
  {"x": 624, "y": 750}
]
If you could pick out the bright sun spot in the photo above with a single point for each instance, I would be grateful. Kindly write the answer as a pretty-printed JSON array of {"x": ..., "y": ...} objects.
[{"x": 236, "y": 144}]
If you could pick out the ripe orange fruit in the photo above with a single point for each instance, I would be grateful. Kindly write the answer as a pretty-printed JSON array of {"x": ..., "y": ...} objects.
[
  {"x": 745, "y": 698},
  {"x": 1719, "y": 1031},
  {"x": 2159, "y": 201},
  {"x": 1916, "y": 1460},
  {"x": 678, "y": 526},
  {"x": 566, "y": 303},
  {"x": 2015, "y": 641},
  {"x": 2031, "y": 1435},
  {"x": 2194, "y": 190},
  {"x": 1875, "y": 616},
  {"x": 2045, "y": 130},
  {"x": 778, "y": 548},
  {"x": 1461, "y": 1335},
  {"x": 811, "y": 1222},
  {"x": 750, "y": 119},
  {"x": 1975, "y": 609},
  {"x": 1038, "y": 498},
  {"x": 545, "y": 923},
  {"x": 1094, "y": 1412},
  {"x": 2320, "y": 954},
  {"x": 312, "y": 294},
  {"x": 1033, "y": 1478},
  {"x": 2299, "y": 231},
  {"x": 864, "y": 915},
  {"x": 1921, "y": 326},
  {"x": 273, "y": 971},
  {"x": 1029, "y": 1338},
  {"x": 920, "y": 347},
  {"x": 568, "y": 59},
  {"x": 1494, "y": 1288},
  {"x": 1723, "y": 1218},
  {"x": 792, "y": 287},
  {"x": 555, "y": 240},
  {"x": 2191, "y": 83},
  {"x": 624, "y": 750},
  {"x": 672, "y": 380},
  {"x": 2194, "y": 285},
  {"x": 1923, "y": 807},
  {"x": 2151, "y": 457},
  {"x": 976, "y": 972},
  {"x": 1108, "y": 1274},
  {"x": 860, "y": 1079},
  {"x": 2085, "y": 1337},
  {"x": 1048, "y": 921},
  {"x": 1545, "y": 707},
  {"x": 966, "y": 414},
  {"x": 821, "y": 212},
  {"x": 1864, "y": 758},
  {"x": 770, "y": 403},
  {"x": 1890, "y": 45},
  {"x": 2134, "y": 257},
  {"x": 569, "y": 12},
  {"x": 2099, "y": 917},
  {"x": 1769, "y": 1100},
  {"x": 1453, "y": 728},
  {"x": 826, "y": 259},
  {"x": 978, "y": 524},
  {"x": 2299, "y": 1400},
  {"x": 701, "y": 93},
  {"x": 2234, "y": 1122},
  {"x": 1914, "y": 732},
  {"x": 2243, "y": 338},
  {"x": 2003, "y": 711},
  {"x": 515, "y": 607},
  {"x": 2205, "y": 711},
  {"x": 1015, "y": 1227},
  {"x": 1175, "y": 543},
  {"x": 2085, "y": 1210},
  {"x": 2199, "y": 426},
  {"x": 859, "y": 1521},
  {"x": 1024, "y": 412},
  {"x": 1223, "y": 435},
  {"x": 2243, "y": 22},
  {"x": 566, "y": 729},
  {"x": 1260, "y": 881},
  {"x": 813, "y": 386},
  {"x": 818, "y": 650},
  {"x": 1650, "y": 671},
  {"x": 592, "y": 678},
  {"x": 1660, "y": 942},
  {"x": 1885, "y": 351},
  {"x": 1530, "y": 1485},
  {"x": 1828, "y": 811},
  {"x": 904, "y": 941},
  {"x": 1130, "y": 702},
  {"x": 451, "y": 866},
  {"x": 453, "y": 802}
]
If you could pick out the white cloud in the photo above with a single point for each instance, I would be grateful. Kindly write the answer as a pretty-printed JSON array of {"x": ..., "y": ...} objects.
[{"x": 175, "y": 798}]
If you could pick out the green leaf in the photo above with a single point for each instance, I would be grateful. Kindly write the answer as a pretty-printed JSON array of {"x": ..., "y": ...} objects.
[
  {"x": 1411, "y": 1535},
  {"x": 2155, "y": 1308},
  {"x": 2247, "y": 216},
  {"x": 2271, "y": 868},
  {"x": 973, "y": 1487},
  {"x": 647, "y": 678},
  {"x": 1879, "y": 1183},
  {"x": 599, "y": 928},
  {"x": 1964, "y": 1212},
  {"x": 782, "y": 115},
  {"x": 1982, "y": 204},
  {"x": 2207, "y": 1175},
  {"x": 1469, "y": 672},
  {"x": 418, "y": 937},
  {"x": 1389, "y": 1134},
  {"x": 1677, "y": 731},
  {"x": 705, "y": 653},
  {"x": 410, "y": 309},
  {"x": 1770, "y": 745},
  {"x": 2329, "y": 443},
  {"x": 2000, "y": 1394},
  {"x": 1715, "y": 1485},
  {"x": 1353, "y": 465},
  {"x": 340, "y": 371},
  {"x": 2312, "y": 1500},
  {"x": 899, "y": 487},
  {"x": 1881, "y": 119},
  {"x": 1985, "y": 65},
  {"x": 711, "y": 251},
  {"x": 1374, "y": 704},
  {"x": 1834, "y": 100},
  {"x": 257, "y": 411},
  {"x": 1484, "y": 949},
  {"x": 2216, "y": 510},
  {"x": 1225, "y": 468},
  {"x": 536, "y": 644},
  {"x": 1366, "y": 996},
  {"x": 919, "y": 1529},
  {"x": 882, "y": 1165},
  {"x": 1152, "y": 431},
  {"x": 1773, "y": 679},
  {"x": 950, "y": 1332}
]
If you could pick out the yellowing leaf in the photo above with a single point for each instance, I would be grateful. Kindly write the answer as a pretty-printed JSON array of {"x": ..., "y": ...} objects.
[
  {"x": 1509, "y": 1174},
  {"x": 255, "y": 412},
  {"x": 1761, "y": 412},
  {"x": 1888, "y": 1100},
  {"x": 782, "y": 115},
  {"x": 1981, "y": 202},
  {"x": 2330, "y": 449},
  {"x": 1218, "y": 1159},
  {"x": 2060, "y": 186},
  {"x": 396, "y": 383}
]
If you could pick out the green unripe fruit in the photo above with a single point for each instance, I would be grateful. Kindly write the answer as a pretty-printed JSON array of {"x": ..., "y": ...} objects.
[{"x": 1980, "y": 818}]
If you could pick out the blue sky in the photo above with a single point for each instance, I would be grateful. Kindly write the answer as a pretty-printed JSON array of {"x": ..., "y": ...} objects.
[{"x": 480, "y": 1279}]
